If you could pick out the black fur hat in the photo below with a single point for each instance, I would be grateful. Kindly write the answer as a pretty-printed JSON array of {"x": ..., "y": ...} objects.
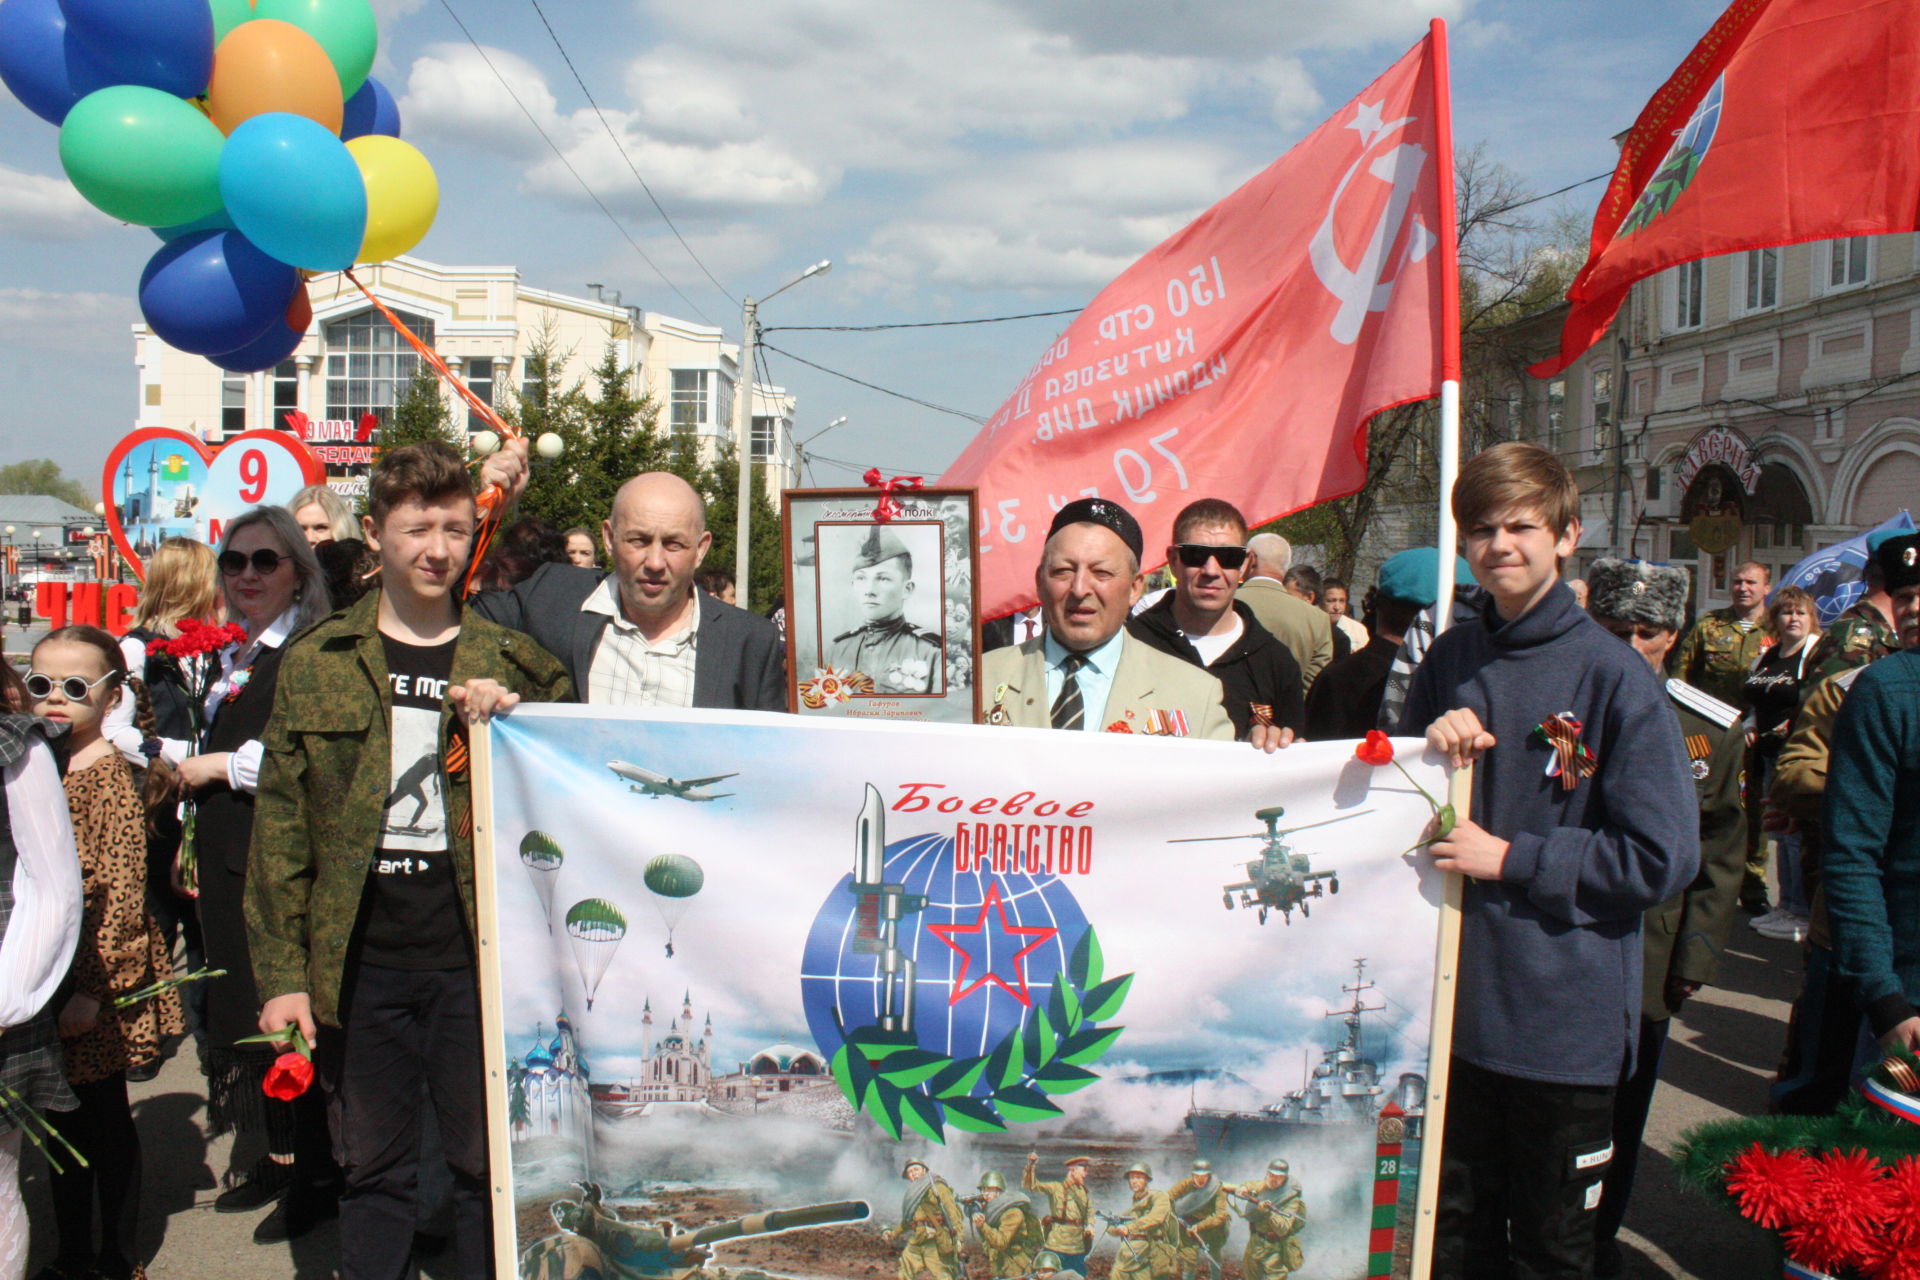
[{"x": 1635, "y": 591}]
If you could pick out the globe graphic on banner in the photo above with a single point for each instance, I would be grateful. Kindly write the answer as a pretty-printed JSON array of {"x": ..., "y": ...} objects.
[{"x": 985, "y": 951}]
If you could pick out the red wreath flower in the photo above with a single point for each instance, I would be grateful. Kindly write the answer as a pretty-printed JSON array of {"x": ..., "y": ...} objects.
[
  {"x": 1849, "y": 1203},
  {"x": 1774, "y": 1191},
  {"x": 288, "y": 1077}
]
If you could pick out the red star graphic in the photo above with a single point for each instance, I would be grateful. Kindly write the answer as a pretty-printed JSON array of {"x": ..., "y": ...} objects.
[{"x": 948, "y": 933}]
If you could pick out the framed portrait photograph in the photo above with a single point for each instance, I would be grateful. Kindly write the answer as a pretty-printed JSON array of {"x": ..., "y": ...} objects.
[{"x": 880, "y": 612}]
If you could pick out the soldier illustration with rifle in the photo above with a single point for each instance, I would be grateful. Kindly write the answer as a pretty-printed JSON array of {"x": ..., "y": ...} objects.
[
  {"x": 1148, "y": 1230},
  {"x": 1006, "y": 1226},
  {"x": 930, "y": 1226},
  {"x": 1200, "y": 1204},
  {"x": 1275, "y": 1213}
]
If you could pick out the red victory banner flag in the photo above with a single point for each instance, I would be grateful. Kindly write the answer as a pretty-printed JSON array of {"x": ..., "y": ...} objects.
[
  {"x": 1242, "y": 358},
  {"x": 1791, "y": 120}
]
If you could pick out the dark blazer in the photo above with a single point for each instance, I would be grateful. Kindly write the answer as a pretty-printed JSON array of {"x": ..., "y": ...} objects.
[{"x": 739, "y": 664}]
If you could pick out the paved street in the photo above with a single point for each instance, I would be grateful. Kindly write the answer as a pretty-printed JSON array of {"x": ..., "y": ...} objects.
[{"x": 1718, "y": 1061}]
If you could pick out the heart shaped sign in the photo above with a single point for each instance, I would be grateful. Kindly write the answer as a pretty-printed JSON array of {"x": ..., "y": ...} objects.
[{"x": 159, "y": 483}]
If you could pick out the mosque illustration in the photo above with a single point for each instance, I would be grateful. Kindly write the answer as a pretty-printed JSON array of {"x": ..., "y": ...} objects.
[
  {"x": 678, "y": 1071},
  {"x": 165, "y": 507}
]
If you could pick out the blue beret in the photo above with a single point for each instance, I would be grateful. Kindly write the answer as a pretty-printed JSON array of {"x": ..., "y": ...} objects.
[{"x": 1414, "y": 576}]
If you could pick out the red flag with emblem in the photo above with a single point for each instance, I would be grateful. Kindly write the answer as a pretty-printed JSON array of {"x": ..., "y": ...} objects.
[
  {"x": 1791, "y": 120},
  {"x": 1242, "y": 358}
]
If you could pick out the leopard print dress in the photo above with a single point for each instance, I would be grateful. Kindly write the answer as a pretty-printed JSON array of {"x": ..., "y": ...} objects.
[{"x": 120, "y": 950}]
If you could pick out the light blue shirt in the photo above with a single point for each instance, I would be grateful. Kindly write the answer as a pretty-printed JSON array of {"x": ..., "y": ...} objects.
[{"x": 1095, "y": 678}]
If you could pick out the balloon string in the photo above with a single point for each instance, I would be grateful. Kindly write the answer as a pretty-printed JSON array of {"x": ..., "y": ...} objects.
[{"x": 488, "y": 503}]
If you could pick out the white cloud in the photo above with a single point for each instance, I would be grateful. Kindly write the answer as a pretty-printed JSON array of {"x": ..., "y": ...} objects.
[
  {"x": 36, "y": 207},
  {"x": 1230, "y": 28},
  {"x": 455, "y": 95},
  {"x": 73, "y": 322}
]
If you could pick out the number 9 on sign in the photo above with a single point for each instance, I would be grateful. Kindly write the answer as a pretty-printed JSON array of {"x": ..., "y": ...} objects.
[{"x": 258, "y": 468}]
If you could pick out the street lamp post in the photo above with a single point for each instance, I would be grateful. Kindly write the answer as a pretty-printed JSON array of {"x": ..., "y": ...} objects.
[{"x": 743, "y": 428}]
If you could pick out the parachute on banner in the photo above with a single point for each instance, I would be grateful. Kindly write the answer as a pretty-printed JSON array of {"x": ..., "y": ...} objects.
[
  {"x": 596, "y": 927},
  {"x": 674, "y": 879},
  {"x": 542, "y": 858}
]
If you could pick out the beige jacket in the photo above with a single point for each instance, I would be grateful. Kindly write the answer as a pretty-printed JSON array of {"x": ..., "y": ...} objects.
[
  {"x": 1305, "y": 629},
  {"x": 1145, "y": 681}
]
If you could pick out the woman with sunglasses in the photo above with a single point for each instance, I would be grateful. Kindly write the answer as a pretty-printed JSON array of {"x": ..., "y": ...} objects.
[{"x": 274, "y": 588}]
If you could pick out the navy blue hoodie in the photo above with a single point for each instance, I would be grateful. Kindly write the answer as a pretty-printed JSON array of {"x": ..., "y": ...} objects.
[{"x": 1550, "y": 954}]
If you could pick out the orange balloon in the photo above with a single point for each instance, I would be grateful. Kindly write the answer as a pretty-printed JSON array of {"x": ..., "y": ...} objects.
[{"x": 268, "y": 65}]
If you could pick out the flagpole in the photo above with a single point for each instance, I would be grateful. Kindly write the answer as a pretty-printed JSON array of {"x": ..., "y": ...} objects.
[{"x": 1446, "y": 535}]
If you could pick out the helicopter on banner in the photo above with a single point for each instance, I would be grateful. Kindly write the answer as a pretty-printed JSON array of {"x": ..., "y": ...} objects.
[{"x": 1279, "y": 879}]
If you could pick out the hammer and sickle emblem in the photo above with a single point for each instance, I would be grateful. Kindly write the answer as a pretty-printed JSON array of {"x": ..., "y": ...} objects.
[{"x": 1364, "y": 287}]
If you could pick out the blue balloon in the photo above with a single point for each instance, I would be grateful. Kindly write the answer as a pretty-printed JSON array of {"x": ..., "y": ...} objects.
[
  {"x": 264, "y": 352},
  {"x": 214, "y": 292},
  {"x": 371, "y": 109},
  {"x": 42, "y": 61},
  {"x": 162, "y": 44},
  {"x": 293, "y": 189},
  {"x": 215, "y": 221}
]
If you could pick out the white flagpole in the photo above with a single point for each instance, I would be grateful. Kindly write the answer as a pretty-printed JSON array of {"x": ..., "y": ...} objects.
[{"x": 1447, "y": 535}]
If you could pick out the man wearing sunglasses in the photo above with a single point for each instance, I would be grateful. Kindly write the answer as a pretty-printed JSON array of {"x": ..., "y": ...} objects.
[
  {"x": 1200, "y": 622},
  {"x": 1085, "y": 673}
]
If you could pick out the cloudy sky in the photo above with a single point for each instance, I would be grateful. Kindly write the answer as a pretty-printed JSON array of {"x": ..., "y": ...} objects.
[{"x": 968, "y": 159}]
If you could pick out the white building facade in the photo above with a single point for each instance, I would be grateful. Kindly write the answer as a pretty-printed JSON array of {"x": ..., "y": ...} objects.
[{"x": 482, "y": 321}]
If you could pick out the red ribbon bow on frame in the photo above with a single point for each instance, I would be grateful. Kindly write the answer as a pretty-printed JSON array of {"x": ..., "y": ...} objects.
[{"x": 888, "y": 509}]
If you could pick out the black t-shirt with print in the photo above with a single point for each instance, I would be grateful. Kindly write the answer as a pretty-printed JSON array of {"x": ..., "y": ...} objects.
[{"x": 412, "y": 915}]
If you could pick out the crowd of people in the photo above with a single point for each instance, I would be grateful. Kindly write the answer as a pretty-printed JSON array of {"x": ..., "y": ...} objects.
[{"x": 268, "y": 778}]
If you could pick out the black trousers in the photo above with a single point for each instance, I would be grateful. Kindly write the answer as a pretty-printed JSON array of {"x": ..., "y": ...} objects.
[
  {"x": 1520, "y": 1170},
  {"x": 1631, "y": 1105},
  {"x": 407, "y": 1039},
  {"x": 102, "y": 1129}
]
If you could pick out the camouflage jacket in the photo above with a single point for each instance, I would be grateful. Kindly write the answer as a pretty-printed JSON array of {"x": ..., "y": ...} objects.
[
  {"x": 1857, "y": 637},
  {"x": 323, "y": 787},
  {"x": 1718, "y": 653}
]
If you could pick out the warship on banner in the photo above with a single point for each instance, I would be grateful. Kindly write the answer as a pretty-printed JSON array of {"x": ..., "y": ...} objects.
[{"x": 1344, "y": 1089}]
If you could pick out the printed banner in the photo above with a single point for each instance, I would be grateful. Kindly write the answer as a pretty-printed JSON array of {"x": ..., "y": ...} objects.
[
  {"x": 1241, "y": 358},
  {"x": 881, "y": 999}
]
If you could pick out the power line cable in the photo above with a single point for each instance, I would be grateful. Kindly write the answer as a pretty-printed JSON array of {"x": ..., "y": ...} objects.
[
  {"x": 976, "y": 419},
  {"x": 862, "y": 466},
  {"x": 1571, "y": 186},
  {"x": 621, "y": 148},
  {"x": 598, "y": 203},
  {"x": 921, "y": 324}
]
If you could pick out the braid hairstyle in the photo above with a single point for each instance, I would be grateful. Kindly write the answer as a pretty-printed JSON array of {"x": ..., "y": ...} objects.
[{"x": 156, "y": 782}]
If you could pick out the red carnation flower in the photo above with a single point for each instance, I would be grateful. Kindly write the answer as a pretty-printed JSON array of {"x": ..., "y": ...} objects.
[
  {"x": 1376, "y": 748},
  {"x": 1775, "y": 1191},
  {"x": 288, "y": 1077},
  {"x": 156, "y": 646}
]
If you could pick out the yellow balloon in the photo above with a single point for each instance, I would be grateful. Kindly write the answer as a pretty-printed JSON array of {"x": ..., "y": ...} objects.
[{"x": 402, "y": 195}]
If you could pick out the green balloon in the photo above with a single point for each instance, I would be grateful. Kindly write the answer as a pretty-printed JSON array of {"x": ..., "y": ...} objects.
[
  {"x": 344, "y": 28},
  {"x": 142, "y": 156},
  {"x": 228, "y": 14}
]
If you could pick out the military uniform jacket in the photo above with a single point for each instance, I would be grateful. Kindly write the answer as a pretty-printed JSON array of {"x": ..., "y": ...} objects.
[
  {"x": 1718, "y": 653},
  {"x": 1857, "y": 637},
  {"x": 1285, "y": 1212},
  {"x": 324, "y": 781},
  {"x": 1205, "y": 1209},
  {"x": 1144, "y": 682},
  {"x": 1799, "y": 787},
  {"x": 1150, "y": 1218},
  {"x": 1683, "y": 937},
  {"x": 901, "y": 657},
  {"x": 929, "y": 1205},
  {"x": 1069, "y": 1210}
]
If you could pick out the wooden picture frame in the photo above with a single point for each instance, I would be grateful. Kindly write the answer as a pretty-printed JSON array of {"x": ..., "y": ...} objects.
[{"x": 897, "y": 594}]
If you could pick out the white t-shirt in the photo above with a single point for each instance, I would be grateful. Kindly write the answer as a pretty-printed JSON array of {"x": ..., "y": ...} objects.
[{"x": 1211, "y": 647}]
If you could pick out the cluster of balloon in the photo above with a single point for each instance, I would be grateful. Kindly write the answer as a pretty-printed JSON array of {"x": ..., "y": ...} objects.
[{"x": 246, "y": 133}]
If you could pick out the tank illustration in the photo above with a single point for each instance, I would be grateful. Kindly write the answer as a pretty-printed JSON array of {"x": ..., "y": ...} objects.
[{"x": 593, "y": 1243}]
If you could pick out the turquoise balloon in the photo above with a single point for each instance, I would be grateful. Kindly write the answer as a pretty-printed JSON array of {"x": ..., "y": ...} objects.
[
  {"x": 143, "y": 156},
  {"x": 293, "y": 189},
  {"x": 228, "y": 14},
  {"x": 344, "y": 28}
]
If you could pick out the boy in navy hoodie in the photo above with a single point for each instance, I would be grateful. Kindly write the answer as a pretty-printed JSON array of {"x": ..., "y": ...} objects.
[{"x": 1583, "y": 817}]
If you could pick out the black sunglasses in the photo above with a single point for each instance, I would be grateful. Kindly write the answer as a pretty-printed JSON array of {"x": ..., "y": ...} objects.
[
  {"x": 76, "y": 689},
  {"x": 1195, "y": 555},
  {"x": 265, "y": 561}
]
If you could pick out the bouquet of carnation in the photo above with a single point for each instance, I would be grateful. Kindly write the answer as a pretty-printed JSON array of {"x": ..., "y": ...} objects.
[{"x": 188, "y": 658}]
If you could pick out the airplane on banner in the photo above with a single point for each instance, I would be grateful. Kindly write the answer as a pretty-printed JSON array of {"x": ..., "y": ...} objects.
[
  {"x": 1279, "y": 879},
  {"x": 654, "y": 785}
]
